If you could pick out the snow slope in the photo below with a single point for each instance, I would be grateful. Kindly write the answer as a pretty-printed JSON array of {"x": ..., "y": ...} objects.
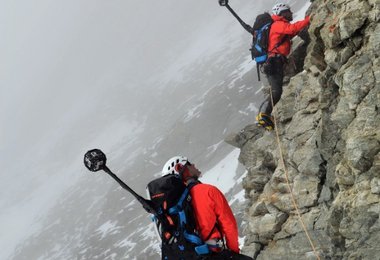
[{"x": 141, "y": 80}]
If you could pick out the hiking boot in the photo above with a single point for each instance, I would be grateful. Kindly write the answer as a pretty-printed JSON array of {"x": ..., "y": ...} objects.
[{"x": 265, "y": 121}]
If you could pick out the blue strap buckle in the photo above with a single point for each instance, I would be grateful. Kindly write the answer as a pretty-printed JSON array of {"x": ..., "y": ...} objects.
[{"x": 202, "y": 249}]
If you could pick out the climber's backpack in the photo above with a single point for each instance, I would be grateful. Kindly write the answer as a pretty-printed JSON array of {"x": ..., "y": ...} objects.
[
  {"x": 260, "y": 40},
  {"x": 175, "y": 220}
]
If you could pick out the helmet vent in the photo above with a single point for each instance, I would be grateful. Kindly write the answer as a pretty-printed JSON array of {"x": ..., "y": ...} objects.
[{"x": 171, "y": 165}]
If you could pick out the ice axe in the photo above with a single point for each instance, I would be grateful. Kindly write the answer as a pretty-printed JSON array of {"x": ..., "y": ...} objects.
[
  {"x": 245, "y": 26},
  {"x": 95, "y": 160}
]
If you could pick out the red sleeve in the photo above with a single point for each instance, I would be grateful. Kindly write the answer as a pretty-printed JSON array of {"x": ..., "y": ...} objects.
[
  {"x": 204, "y": 210},
  {"x": 291, "y": 29},
  {"x": 226, "y": 220},
  {"x": 210, "y": 206}
]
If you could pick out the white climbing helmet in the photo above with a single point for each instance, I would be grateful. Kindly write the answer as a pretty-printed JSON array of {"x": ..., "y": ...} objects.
[
  {"x": 278, "y": 8},
  {"x": 174, "y": 165}
]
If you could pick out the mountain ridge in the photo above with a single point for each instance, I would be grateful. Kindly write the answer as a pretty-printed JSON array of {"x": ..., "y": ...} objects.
[{"x": 328, "y": 123}]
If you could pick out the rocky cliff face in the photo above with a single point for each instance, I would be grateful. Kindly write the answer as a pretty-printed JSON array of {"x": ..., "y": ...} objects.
[{"x": 329, "y": 130}]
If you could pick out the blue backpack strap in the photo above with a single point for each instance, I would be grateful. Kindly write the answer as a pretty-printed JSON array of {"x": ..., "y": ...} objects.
[
  {"x": 193, "y": 238},
  {"x": 259, "y": 35},
  {"x": 201, "y": 248},
  {"x": 178, "y": 208}
]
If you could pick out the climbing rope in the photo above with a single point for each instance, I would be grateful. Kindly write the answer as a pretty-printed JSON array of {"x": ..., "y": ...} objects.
[{"x": 288, "y": 183}]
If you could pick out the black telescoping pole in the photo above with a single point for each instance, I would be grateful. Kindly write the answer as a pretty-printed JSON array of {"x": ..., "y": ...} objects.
[
  {"x": 144, "y": 202},
  {"x": 95, "y": 160},
  {"x": 245, "y": 26}
]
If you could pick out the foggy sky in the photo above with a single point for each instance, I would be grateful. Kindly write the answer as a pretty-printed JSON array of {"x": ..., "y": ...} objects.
[{"x": 69, "y": 70}]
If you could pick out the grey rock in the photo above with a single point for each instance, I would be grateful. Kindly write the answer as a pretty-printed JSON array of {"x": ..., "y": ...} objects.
[
  {"x": 252, "y": 250},
  {"x": 239, "y": 139},
  {"x": 267, "y": 225},
  {"x": 329, "y": 130},
  {"x": 325, "y": 195},
  {"x": 258, "y": 209},
  {"x": 353, "y": 18},
  {"x": 375, "y": 186},
  {"x": 337, "y": 57}
]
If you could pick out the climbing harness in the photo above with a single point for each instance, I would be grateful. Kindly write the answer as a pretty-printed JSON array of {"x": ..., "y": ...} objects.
[{"x": 288, "y": 183}]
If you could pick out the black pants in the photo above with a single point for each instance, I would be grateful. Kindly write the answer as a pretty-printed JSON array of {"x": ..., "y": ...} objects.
[{"x": 275, "y": 75}]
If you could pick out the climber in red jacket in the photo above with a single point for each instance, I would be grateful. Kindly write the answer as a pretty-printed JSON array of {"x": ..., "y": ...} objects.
[
  {"x": 280, "y": 35},
  {"x": 214, "y": 218}
]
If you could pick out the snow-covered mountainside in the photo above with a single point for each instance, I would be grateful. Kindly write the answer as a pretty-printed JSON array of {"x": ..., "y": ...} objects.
[{"x": 143, "y": 81}]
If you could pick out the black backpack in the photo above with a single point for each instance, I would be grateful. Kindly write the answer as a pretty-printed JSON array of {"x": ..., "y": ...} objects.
[
  {"x": 175, "y": 220},
  {"x": 260, "y": 40}
]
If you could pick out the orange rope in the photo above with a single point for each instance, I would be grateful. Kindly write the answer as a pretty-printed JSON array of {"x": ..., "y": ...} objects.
[{"x": 288, "y": 183}]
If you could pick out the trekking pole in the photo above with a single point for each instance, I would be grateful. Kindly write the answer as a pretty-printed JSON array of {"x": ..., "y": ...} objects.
[
  {"x": 245, "y": 26},
  {"x": 95, "y": 160}
]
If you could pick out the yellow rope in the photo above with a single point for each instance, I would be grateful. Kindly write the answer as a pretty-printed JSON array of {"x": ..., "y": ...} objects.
[{"x": 288, "y": 183}]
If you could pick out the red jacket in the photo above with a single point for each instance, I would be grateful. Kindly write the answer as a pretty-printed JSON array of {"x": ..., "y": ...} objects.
[
  {"x": 279, "y": 29},
  {"x": 210, "y": 207}
]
